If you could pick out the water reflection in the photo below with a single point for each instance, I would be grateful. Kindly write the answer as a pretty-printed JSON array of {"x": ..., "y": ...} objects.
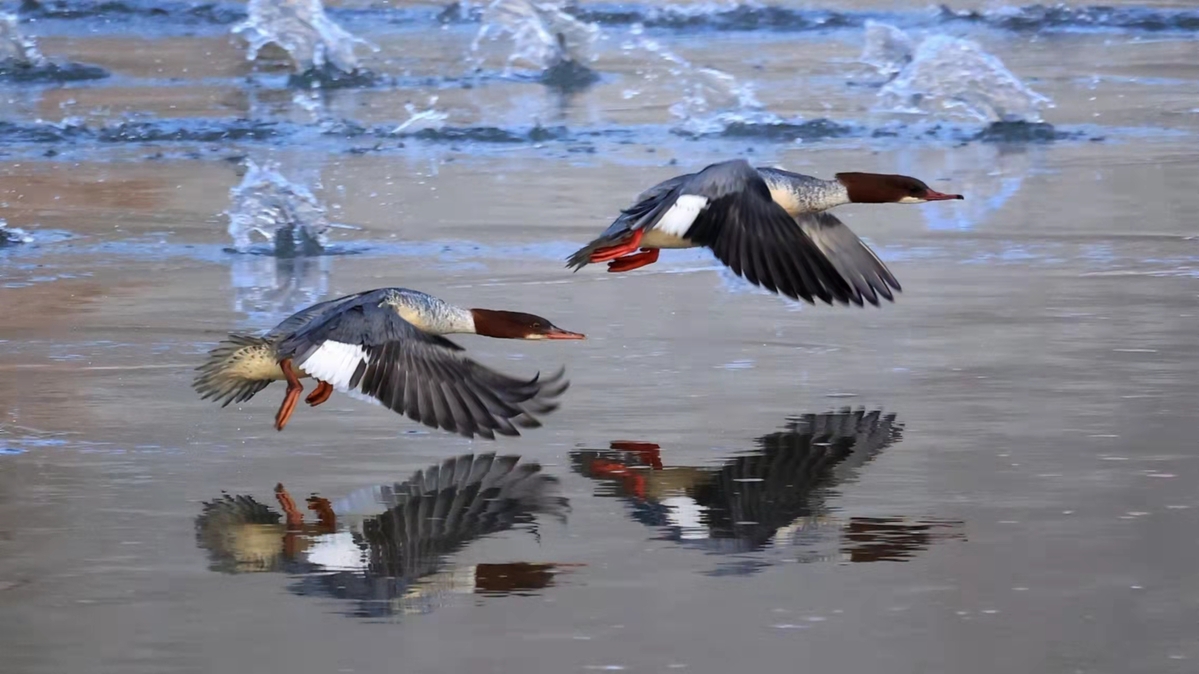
[
  {"x": 1008, "y": 164},
  {"x": 773, "y": 497},
  {"x": 386, "y": 548},
  {"x": 266, "y": 288}
]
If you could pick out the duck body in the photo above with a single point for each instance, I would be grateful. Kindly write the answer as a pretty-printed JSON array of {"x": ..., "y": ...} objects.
[
  {"x": 387, "y": 346},
  {"x": 766, "y": 224}
]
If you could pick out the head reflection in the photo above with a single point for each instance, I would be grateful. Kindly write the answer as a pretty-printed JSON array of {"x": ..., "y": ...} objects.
[
  {"x": 386, "y": 548},
  {"x": 776, "y": 495}
]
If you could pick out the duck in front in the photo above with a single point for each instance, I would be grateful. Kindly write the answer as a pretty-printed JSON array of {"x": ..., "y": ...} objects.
[
  {"x": 388, "y": 346},
  {"x": 768, "y": 225}
]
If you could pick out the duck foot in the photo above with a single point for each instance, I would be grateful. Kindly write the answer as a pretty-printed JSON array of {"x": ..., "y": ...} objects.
[
  {"x": 630, "y": 245},
  {"x": 294, "y": 389},
  {"x": 323, "y": 390},
  {"x": 647, "y": 256}
]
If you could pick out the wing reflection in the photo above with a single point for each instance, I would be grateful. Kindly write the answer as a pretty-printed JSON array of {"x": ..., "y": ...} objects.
[
  {"x": 385, "y": 548},
  {"x": 773, "y": 496}
]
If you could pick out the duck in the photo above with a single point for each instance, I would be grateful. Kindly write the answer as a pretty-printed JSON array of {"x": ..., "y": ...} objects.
[
  {"x": 387, "y": 346},
  {"x": 769, "y": 226},
  {"x": 389, "y": 546}
]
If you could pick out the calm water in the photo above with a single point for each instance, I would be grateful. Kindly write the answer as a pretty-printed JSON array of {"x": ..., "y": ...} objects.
[{"x": 1013, "y": 490}]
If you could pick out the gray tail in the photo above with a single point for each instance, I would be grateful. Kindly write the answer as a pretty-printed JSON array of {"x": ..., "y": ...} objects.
[
  {"x": 218, "y": 378},
  {"x": 582, "y": 256}
]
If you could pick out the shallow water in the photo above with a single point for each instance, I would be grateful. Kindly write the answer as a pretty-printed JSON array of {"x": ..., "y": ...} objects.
[{"x": 1034, "y": 510}]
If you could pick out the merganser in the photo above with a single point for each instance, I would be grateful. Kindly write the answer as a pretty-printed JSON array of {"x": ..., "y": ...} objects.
[
  {"x": 390, "y": 542},
  {"x": 766, "y": 224},
  {"x": 386, "y": 346}
]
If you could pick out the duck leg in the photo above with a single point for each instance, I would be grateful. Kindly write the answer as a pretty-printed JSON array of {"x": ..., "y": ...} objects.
[
  {"x": 294, "y": 389},
  {"x": 629, "y": 245},
  {"x": 323, "y": 390},
  {"x": 647, "y": 256}
]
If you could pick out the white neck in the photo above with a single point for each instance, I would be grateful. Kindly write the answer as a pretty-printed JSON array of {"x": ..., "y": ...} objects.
[
  {"x": 798, "y": 193},
  {"x": 433, "y": 315}
]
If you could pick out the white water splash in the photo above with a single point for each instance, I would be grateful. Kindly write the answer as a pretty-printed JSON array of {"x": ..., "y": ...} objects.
[
  {"x": 15, "y": 47},
  {"x": 12, "y": 235},
  {"x": 278, "y": 211},
  {"x": 302, "y": 29},
  {"x": 949, "y": 76},
  {"x": 543, "y": 35},
  {"x": 419, "y": 120},
  {"x": 887, "y": 49},
  {"x": 708, "y": 100}
]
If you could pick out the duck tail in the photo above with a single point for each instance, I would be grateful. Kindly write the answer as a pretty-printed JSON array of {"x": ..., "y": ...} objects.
[
  {"x": 607, "y": 241},
  {"x": 582, "y": 257},
  {"x": 236, "y": 369}
]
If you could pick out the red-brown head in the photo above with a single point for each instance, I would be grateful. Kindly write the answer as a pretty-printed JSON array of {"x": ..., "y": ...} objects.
[
  {"x": 517, "y": 325},
  {"x": 882, "y": 188}
]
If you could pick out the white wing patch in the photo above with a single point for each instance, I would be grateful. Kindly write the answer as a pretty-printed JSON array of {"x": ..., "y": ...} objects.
[
  {"x": 335, "y": 362},
  {"x": 678, "y": 219}
]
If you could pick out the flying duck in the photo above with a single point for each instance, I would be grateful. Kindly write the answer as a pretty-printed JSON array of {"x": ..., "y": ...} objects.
[
  {"x": 387, "y": 346},
  {"x": 766, "y": 224}
]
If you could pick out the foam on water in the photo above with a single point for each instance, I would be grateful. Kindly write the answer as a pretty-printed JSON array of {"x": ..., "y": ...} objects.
[
  {"x": 11, "y": 235},
  {"x": 17, "y": 47},
  {"x": 545, "y": 39},
  {"x": 949, "y": 77},
  {"x": 420, "y": 120},
  {"x": 887, "y": 49},
  {"x": 277, "y": 210},
  {"x": 314, "y": 43},
  {"x": 709, "y": 100}
]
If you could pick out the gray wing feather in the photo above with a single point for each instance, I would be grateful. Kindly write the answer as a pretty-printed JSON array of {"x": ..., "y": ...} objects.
[
  {"x": 300, "y": 318},
  {"x": 854, "y": 261}
]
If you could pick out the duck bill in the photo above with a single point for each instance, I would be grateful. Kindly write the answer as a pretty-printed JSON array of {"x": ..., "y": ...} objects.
[
  {"x": 559, "y": 333},
  {"x": 941, "y": 196}
]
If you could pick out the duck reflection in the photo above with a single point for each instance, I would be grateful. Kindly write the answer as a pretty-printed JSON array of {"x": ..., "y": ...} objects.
[
  {"x": 385, "y": 548},
  {"x": 773, "y": 496}
]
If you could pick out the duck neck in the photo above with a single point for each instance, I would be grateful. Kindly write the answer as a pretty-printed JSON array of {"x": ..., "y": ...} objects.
[
  {"x": 798, "y": 193},
  {"x": 433, "y": 315}
]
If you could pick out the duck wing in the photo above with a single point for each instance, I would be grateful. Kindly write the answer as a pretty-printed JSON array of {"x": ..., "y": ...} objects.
[
  {"x": 753, "y": 235},
  {"x": 852, "y": 258}
]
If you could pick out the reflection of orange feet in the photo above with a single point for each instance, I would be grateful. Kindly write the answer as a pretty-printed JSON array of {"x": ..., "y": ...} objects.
[
  {"x": 295, "y": 518},
  {"x": 324, "y": 512},
  {"x": 646, "y": 451},
  {"x": 631, "y": 479},
  {"x": 627, "y": 246},
  {"x": 648, "y": 256},
  {"x": 323, "y": 390}
]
